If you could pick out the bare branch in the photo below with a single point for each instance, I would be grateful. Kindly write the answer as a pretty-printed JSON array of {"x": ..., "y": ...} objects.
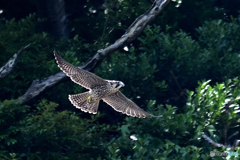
[
  {"x": 38, "y": 87},
  {"x": 209, "y": 140},
  {"x": 9, "y": 66},
  {"x": 234, "y": 134},
  {"x": 132, "y": 33},
  {"x": 218, "y": 145}
]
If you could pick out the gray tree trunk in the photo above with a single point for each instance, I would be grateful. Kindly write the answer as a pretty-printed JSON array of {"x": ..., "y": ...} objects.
[{"x": 54, "y": 12}]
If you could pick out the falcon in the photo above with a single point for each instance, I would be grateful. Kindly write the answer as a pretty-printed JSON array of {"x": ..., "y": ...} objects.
[{"x": 99, "y": 89}]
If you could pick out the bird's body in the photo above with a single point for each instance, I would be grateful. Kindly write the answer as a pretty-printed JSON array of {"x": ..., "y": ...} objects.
[{"x": 99, "y": 89}]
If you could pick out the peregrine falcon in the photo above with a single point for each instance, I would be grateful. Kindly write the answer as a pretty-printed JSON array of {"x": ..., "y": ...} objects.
[{"x": 107, "y": 90}]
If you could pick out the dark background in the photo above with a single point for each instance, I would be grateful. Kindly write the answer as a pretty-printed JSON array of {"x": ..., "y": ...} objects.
[{"x": 165, "y": 72}]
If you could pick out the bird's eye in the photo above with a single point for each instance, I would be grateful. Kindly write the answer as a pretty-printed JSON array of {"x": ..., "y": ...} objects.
[{"x": 117, "y": 85}]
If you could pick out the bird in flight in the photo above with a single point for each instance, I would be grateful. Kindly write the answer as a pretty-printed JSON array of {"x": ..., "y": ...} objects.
[{"x": 99, "y": 89}]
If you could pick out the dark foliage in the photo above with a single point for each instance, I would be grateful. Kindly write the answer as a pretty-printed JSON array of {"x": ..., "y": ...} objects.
[{"x": 186, "y": 70}]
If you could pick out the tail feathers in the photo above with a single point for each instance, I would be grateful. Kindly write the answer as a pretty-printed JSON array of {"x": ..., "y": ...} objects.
[
  {"x": 89, "y": 107},
  {"x": 81, "y": 101}
]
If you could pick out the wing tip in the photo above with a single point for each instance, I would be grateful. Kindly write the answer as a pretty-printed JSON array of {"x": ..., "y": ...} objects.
[
  {"x": 56, "y": 55},
  {"x": 57, "y": 58},
  {"x": 60, "y": 60}
]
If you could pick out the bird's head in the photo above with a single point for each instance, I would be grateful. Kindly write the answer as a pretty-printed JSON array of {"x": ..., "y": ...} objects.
[{"x": 117, "y": 84}]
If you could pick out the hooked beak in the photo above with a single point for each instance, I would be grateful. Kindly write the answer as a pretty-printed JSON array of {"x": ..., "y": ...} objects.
[{"x": 122, "y": 84}]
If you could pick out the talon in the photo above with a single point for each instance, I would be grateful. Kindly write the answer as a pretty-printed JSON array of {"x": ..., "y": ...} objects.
[{"x": 89, "y": 99}]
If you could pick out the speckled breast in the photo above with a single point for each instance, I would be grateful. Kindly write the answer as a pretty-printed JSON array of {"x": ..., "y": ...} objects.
[{"x": 98, "y": 92}]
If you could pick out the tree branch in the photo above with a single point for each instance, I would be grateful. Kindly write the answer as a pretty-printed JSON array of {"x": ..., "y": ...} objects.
[
  {"x": 218, "y": 145},
  {"x": 9, "y": 66},
  {"x": 131, "y": 33}
]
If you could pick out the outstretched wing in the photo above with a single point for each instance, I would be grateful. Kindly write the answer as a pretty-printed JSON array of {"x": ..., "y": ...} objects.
[
  {"x": 77, "y": 75},
  {"x": 122, "y": 104}
]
